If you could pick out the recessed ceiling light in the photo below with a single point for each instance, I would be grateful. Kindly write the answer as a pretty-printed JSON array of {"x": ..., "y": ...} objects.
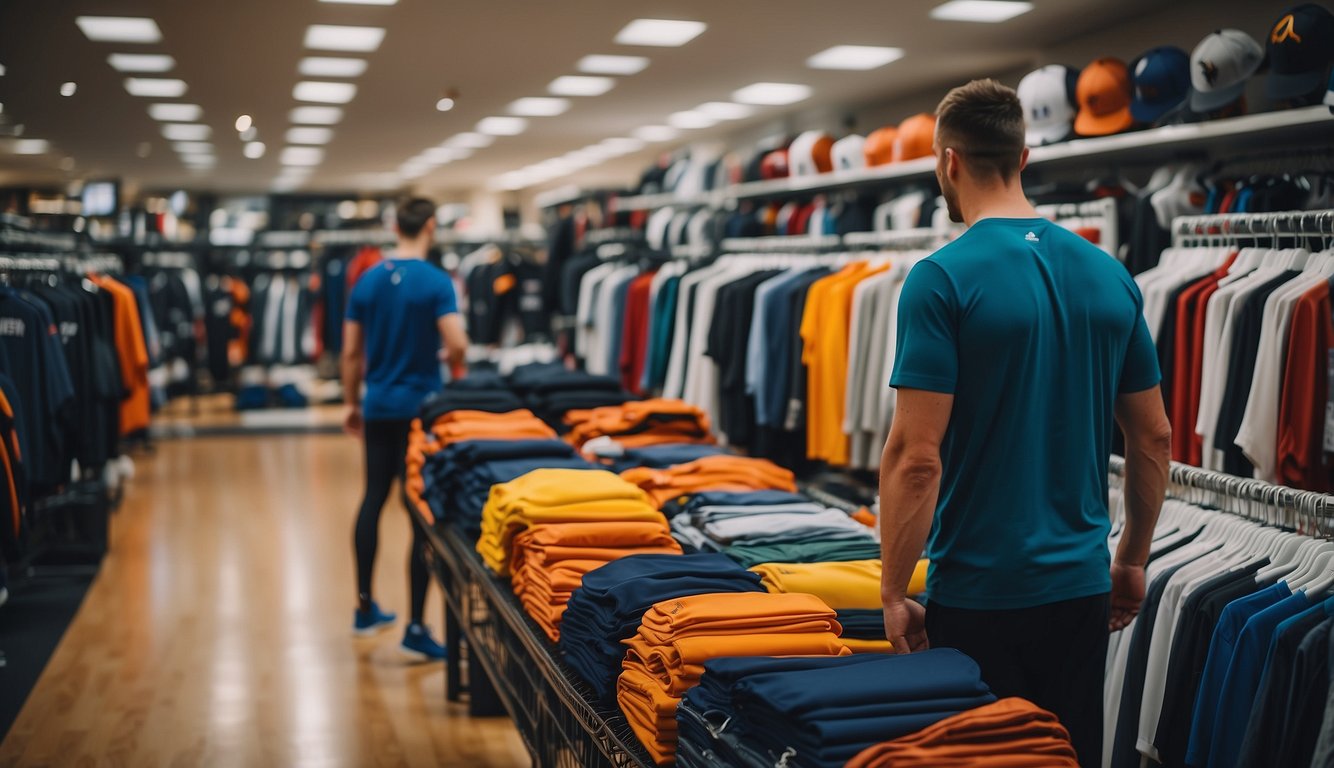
[
  {"x": 254, "y": 149},
  {"x": 302, "y": 156},
  {"x": 502, "y": 126},
  {"x": 309, "y": 135},
  {"x": 175, "y": 113},
  {"x": 691, "y": 120},
  {"x": 329, "y": 66},
  {"x": 193, "y": 147},
  {"x": 854, "y": 57},
  {"x": 328, "y": 37},
  {"x": 601, "y": 64},
  {"x": 243, "y": 123},
  {"x": 725, "y": 110},
  {"x": 622, "y": 145},
  {"x": 469, "y": 141},
  {"x": 655, "y": 133},
  {"x": 141, "y": 62},
  {"x": 155, "y": 87},
  {"x": 68, "y": 89},
  {"x": 987, "y": 11},
  {"x": 580, "y": 85},
  {"x": 119, "y": 29},
  {"x": 200, "y": 163},
  {"x": 444, "y": 104},
  {"x": 186, "y": 131},
  {"x": 772, "y": 94},
  {"x": 538, "y": 106},
  {"x": 324, "y": 92},
  {"x": 362, "y": 2},
  {"x": 442, "y": 155},
  {"x": 315, "y": 115},
  {"x": 188, "y": 156},
  {"x": 662, "y": 33},
  {"x": 30, "y": 147}
]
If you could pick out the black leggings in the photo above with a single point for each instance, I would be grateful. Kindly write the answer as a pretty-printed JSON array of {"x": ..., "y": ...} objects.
[{"x": 386, "y": 446}]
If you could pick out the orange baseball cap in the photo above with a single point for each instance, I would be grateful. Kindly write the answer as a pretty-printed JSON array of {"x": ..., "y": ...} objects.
[
  {"x": 879, "y": 148},
  {"x": 916, "y": 135},
  {"x": 1104, "y": 93}
]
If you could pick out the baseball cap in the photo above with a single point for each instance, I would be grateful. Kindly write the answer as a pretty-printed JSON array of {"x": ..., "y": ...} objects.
[
  {"x": 879, "y": 148},
  {"x": 1048, "y": 98},
  {"x": 849, "y": 153},
  {"x": 810, "y": 154},
  {"x": 1162, "y": 81},
  {"x": 774, "y": 165},
  {"x": 916, "y": 135},
  {"x": 1300, "y": 47},
  {"x": 1219, "y": 68},
  {"x": 1104, "y": 98}
]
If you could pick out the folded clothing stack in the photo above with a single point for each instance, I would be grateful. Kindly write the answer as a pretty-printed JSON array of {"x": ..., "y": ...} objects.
[
  {"x": 550, "y": 561},
  {"x": 608, "y": 452},
  {"x": 825, "y": 714},
  {"x": 1011, "y": 733},
  {"x": 711, "y": 473},
  {"x": 458, "y": 478},
  {"x": 475, "y": 393},
  {"x": 607, "y": 608},
  {"x": 546, "y": 496},
  {"x": 640, "y": 423},
  {"x": 666, "y": 656},
  {"x": 553, "y": 394},
  {"x": 807, "y": 551},
  {"x": 715, "y": 527}
]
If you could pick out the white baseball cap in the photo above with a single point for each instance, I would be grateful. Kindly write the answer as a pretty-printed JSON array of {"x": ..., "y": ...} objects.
[
  {"x": 849, "y": 153},
  {"x": 1219, "y": 68},
  {"x": 801, "y": 155},
  {"x": 1047, "y": 96}
]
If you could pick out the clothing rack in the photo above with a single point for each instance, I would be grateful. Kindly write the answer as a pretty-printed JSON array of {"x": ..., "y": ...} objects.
[
  {"x": 29, "y": 264},
  {"x": 169, "y": 260},
  {"x": 1256, "y": 227},
  {"x": 782, "y": 244},
  {"x": 1104, "y": 206},
  {"x": 1307, "y": 512},
  {"x": 353, "y": 237},
  {"x": 43, "y": 240}
]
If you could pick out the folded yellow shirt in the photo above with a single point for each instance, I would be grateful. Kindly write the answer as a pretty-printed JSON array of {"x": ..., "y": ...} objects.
[{"x": 844, "y": 586}]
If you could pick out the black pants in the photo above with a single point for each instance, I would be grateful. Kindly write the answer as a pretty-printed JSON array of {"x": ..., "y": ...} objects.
[
  {"x": 1054, "y": 655},
  {"x": 386, "y": 447}
]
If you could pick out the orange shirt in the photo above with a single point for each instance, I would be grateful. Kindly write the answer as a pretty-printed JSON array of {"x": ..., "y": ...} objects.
[{"x": 133, "y": 354}]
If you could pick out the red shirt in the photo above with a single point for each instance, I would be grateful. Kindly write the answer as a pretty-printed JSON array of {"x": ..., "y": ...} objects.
[
  {"x": 634, "y": 335},
  {"x": 1183, "y": 400},
  {"x": 1301, "y": 415}
]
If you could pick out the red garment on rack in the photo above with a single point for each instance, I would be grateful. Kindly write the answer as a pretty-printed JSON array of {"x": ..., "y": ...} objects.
[
  {"x": 634, "y": 335},
  {"x": 1301, "y": 416},
  {"x": 1183, "y": 400},
  {"x": 360, "y": 264}
]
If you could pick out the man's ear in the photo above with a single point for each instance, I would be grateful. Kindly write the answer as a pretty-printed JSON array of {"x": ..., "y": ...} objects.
[{"x": 1023, "y": 159}]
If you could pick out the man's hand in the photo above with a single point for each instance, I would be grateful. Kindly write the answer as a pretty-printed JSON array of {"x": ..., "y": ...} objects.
[
  {"x": 1127, "y": 594},
  {"x": 352, "y": 421},
  {"x": 905, "y": 626}
]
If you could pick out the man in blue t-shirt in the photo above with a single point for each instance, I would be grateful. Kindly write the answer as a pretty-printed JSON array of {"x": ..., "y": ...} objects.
[
  {"x": 1019, "y": 345},
  {"x": 402, "y": 321}
]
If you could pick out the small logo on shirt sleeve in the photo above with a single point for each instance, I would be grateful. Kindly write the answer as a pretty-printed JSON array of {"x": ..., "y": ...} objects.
[{"x": 1030, "y": 237}]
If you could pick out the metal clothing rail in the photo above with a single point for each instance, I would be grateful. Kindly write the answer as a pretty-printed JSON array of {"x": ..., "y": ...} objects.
[
  {"x": 782, "y": 244},
  {"x": 1255, "y": 227},
  {"x": 1306, "y": 512},
  {"x": 921, "y": 237}
]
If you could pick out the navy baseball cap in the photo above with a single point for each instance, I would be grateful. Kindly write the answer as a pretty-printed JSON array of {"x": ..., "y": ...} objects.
[
  {"x": 1162, "y": 81},
  {"x": 1300, "y": 48}
]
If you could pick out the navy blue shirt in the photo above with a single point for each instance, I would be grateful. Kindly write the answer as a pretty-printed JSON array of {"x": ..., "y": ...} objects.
[
  {"x": 1035, "y": 332},
  {"x": 397, "y": 302}
]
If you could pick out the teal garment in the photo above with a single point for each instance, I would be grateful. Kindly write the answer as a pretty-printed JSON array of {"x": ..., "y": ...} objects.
[
  {"x": 818, "y": 551},
  {"x": 1035, "y": 332},
  {"x": 661, "y": 329}
]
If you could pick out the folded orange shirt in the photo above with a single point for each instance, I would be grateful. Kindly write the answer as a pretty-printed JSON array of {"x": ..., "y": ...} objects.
[
  {"x": 711, "y": 473},
  {"x": 639, "y": 423},
  {"x": 736, "y": 609}
]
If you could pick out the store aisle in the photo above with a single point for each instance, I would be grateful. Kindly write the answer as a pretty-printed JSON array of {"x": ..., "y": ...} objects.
[{"x": 218, "y": 631}]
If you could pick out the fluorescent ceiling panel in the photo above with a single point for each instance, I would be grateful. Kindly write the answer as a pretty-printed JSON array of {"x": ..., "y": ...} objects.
[
  {"x": 602, "y": 64},
  {"x": 580, "y": 85},
  {"x": 30, "y": 147},
  {"x": 442, "y": 155},
  {"x": 309, "y": 135},
  {"x": 502, "y": 126},
  {"x": 302, "y": 156},
  {"x": 660, "y": 33},
  {"x": 469, "y": 141},
  {"x": 985, "y": 11},
  {"x": 141, "y": 62},
  {"x": 155, "y": 87},
  {"x": 725, "y": 110},
  {"x": 322, "y": 92},
  {"x": 328, "y": 37},
  {"x": 254, "y": 149},
  {"x": 362, "y": 2},
  {"x": 689, "y": 121},
  {"x": 772, "y": 94},
  {"x": 175, "y": 113},
  {"x": 193, "y": 147},
  {"x": 854, "y": 57},
  {"x": 315, "y": 115},
  {"x": 331, "y": 66},
  {"x": 654, "y": 133},
  {"x": 119, "y": 29},
  {"x": 539, "y": 106},
  {"x": 186, "y": 132}
]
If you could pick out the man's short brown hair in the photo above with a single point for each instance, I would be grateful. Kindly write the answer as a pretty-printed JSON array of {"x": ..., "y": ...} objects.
[
  {"x": 983, "y": 121},
  {"x": 412, "y": 215}
]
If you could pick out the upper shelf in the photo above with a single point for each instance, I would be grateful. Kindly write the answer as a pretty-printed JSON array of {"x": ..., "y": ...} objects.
[{"x": 1149, "y": 145}]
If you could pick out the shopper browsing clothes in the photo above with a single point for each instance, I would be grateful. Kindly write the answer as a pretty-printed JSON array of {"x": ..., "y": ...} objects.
[
  {"x": 1020, "y": 344},
  {"x": 401, "y": 313}
]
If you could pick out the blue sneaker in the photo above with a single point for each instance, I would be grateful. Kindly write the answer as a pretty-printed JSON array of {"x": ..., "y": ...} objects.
[
  {"x": 418, "y": 643},
  {"x": 365, "y": 623}
]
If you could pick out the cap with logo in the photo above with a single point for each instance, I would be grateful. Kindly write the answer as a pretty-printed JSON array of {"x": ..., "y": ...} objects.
[
  {"x": 810, "y": 154},
  {"x": 1300, "y": 48},
  {"x": 1219, "y": 68},
  {"x": 916, "y": 135},
  {"x": 849, "y": 153},
  {"x": 1048, "y": 96},
  {"x": 1104, "y": 96},
  {"x": 879, "y": 147},
  {"x": 1162, "y": 81},
  {"x": 774, "y": 165}
]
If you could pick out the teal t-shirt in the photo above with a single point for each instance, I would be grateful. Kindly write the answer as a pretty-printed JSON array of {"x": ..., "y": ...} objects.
[{"x": 1035, "y": 332}]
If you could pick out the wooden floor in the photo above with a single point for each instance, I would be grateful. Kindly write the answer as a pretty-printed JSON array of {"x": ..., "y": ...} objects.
[{"x": 218, "y": 631}]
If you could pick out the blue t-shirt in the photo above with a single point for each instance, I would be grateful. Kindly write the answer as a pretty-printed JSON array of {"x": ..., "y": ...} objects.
[
  {"x": 397, "y": 302},
  {"x": 1035, "y": 332}
]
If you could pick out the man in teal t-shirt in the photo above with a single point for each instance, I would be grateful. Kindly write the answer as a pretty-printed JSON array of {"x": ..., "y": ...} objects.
[{"x": 1019, "y": 344}]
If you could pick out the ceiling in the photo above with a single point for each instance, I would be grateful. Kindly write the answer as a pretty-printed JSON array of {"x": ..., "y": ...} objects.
[{"x": 241, "y": 56}]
